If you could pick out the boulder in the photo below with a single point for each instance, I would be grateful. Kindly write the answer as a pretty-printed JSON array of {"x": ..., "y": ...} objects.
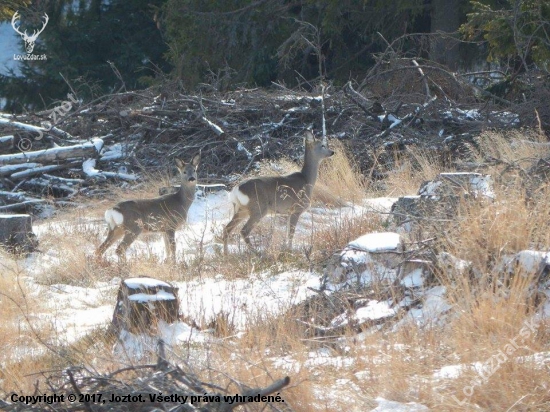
[
  {"x": 438, "y": 200},
  {"x": 371, "y": 258}
]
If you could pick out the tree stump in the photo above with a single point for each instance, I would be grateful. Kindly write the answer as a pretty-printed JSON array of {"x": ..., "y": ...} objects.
[
  {"x": 16, "y": 233},
  {"x": 142, "y": 303}
]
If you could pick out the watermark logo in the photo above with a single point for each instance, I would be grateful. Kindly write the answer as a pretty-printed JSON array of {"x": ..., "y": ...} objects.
[
  {"x": 57, "y": 113},
  {"x": 29, "y": 40},
  {"x": 489, "y": 367}
]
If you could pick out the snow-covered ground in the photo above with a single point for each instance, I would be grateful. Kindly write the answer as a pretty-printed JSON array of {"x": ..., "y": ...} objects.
[
  {"x": 72, "y": 312},
  {"x": 242, "y": 300}
]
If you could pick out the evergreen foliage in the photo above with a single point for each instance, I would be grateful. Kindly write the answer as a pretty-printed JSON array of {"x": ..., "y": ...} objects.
[
  {"x": 103, "y": 45},
  {"x": 97, "y": 46},
  {"x": 517, "y": 31},
  {"x": 8, "y": 7},
  {"x": 259, "y": 41}
]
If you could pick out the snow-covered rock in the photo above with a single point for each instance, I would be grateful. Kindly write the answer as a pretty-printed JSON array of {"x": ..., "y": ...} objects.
[
  {"x": 459, "y": 184},
  {"x": 374, "y": 257}
]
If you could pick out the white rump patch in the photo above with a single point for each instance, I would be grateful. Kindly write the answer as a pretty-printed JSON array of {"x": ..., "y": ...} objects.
[
  {"x": 239, "y": 197},
  {"x": 114, "y": 218}
]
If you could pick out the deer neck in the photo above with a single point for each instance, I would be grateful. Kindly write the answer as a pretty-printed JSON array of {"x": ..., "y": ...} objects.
[
  {"x": 186, "y": 191},
  {"x": 310, "y": 170}
]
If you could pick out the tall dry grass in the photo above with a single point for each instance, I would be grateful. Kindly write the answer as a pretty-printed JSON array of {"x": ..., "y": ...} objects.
[{"x": 488, "y": 308}]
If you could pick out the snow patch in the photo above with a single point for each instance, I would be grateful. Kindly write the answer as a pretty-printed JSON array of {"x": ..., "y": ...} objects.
[
  {"x": 377, "y": 242},
  {"x": 137, "y": 283}
]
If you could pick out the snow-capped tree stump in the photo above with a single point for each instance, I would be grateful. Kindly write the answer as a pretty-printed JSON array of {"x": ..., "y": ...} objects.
[
  {"x": 142, "y": 303},
  {"x": 16, "y": 233}
]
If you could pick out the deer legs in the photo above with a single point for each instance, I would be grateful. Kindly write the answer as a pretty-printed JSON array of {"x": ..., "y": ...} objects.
[
  {"x": 253, "y": 220},
  {"x": 170, "y": 244},
  {"x": 291, "y": 228},
  {"x": 112, "y": 237},
  {"x": 237, "y": 218},
  {"x": 127, "y": 240}
]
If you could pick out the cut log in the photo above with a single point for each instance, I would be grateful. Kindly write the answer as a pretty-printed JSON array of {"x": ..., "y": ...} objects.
[
  {"x": 6, "y": 143},
  {"x": 24, "y": 206},
  {"x": 88, "y": 149},
  {"x": 142, "y": 303},
  {"x": 16, "y": 233},
  {"x": 41, "y": 169},
  {"x": 9, "y": 169}
]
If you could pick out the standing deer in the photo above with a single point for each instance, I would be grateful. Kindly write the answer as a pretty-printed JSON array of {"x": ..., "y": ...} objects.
[
  {"x": 161, "y": 214},
  {"x": 289, "y": 195}
]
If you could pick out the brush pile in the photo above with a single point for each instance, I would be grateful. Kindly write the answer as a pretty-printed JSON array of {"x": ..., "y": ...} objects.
[
  {"x": 76, "y": 147},
  {"x": 154, "y": 387}
]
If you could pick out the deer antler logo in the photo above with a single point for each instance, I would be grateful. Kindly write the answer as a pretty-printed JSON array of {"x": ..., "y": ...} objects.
[{"x": 29, "y": 40}]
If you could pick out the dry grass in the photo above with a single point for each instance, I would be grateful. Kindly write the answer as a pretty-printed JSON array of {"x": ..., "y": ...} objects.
[
  {"x": 410, "y": 170},
  {"x": 489, "y": 309},
  {"x": 339, "y": 178}
]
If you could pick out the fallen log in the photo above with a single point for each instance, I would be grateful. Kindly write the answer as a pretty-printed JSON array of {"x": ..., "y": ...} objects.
[
  {"x": 9, "y": 169},
  {"x": 88, "y": 167},
  {"x": 22, "y": 206},
  {"x": 50, "y": 187},
  {"x": 88, "y": 149},
  {"x": 6, "y": 143},
  {"x": 41, "y": 169},
  {"x": 40, "y": 130}
]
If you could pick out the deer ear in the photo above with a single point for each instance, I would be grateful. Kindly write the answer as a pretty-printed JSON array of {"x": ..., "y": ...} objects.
[
  {"x": 179, "y": 164},
  {"x": 196, "y": 160},
  {"x": 309, "y": 138}
]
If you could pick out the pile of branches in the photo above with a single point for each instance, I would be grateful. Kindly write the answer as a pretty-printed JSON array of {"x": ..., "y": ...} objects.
[
  {"x": 154, "y": 387},
  {"x": 401, "y": 102}
]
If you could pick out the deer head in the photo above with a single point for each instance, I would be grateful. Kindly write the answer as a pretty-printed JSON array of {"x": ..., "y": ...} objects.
[{"x": 29, "y": 40}]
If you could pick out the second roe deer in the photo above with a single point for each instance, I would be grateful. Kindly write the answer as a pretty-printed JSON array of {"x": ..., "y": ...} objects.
[
  {"x": 163, "y": 214},
  {"x": 289, "y": 195}
]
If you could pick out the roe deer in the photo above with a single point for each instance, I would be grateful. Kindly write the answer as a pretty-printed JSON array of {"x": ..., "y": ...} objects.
[
  {"x": 161, "y": 214},
  {"x": 290, "y": 194}
]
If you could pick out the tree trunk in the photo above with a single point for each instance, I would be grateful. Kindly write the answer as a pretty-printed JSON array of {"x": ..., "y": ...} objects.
[{"x": 445, "y": 20}]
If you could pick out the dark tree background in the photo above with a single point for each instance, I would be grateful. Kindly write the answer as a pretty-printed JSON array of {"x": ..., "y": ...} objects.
[{"x": 99, "y": 46}]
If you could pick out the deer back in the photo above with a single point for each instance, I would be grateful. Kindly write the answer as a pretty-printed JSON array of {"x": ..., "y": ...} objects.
[{"x": 279, "y": 194}]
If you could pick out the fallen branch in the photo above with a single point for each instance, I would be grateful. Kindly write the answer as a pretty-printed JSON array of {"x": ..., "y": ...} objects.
[
  {"x": 358, "y": 99},
  {"x": 88, "y": 149},
  {"x": 88, "y": 167},
  {"x": 38, "y": 129},
  {"x": 16, "y": 207},
  {"x": 41, "y": 170}
]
